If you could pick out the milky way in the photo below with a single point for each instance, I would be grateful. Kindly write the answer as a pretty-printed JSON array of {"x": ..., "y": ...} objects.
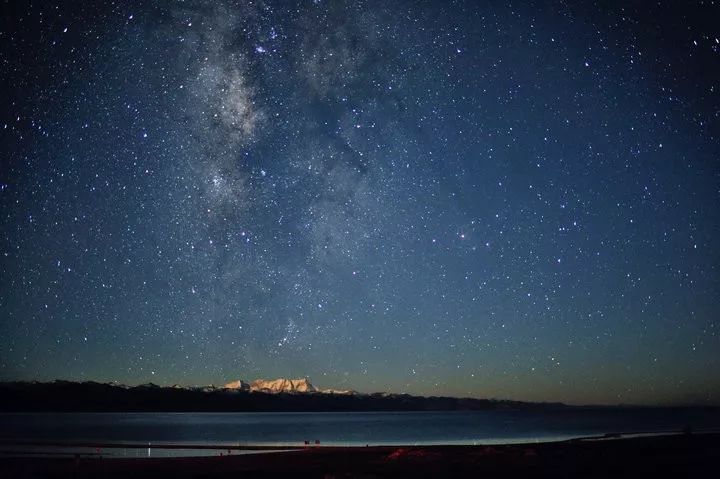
[{"x": 461, "y": 198}]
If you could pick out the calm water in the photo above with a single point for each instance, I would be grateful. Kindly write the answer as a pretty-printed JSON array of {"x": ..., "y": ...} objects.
[{"x": 348, "y": 428}]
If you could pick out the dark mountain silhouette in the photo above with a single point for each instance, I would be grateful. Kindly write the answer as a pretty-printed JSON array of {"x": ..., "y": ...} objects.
[{"x": 92, "y": 396}]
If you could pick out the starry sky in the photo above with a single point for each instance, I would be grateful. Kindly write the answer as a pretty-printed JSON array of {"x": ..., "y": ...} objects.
[{"x": 434, "y": 197}]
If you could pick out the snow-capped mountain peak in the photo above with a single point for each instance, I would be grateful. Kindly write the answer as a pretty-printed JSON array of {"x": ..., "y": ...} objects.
[{"x": 283, "y": 386}]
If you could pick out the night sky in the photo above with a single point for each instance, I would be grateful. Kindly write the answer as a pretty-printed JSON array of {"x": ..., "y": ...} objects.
[{"x": 435, "y": 197}]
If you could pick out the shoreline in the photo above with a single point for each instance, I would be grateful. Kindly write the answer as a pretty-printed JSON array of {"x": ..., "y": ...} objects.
[
  {"x": 259, "y": 446},
  {"x": 220, "y": 446},
  {"x": 678, "y": 455}
]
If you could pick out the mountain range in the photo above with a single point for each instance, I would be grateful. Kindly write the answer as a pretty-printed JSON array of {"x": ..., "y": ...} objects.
[
  {"x": 260, "y": 395},
  {"x": 281, "y": 385}
]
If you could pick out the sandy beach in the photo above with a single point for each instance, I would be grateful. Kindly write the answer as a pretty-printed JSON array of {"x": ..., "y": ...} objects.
[{"x": 660, "y": 456}]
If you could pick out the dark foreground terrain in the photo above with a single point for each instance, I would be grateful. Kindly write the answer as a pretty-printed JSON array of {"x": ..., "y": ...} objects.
[{"x": 665, "y": 456}]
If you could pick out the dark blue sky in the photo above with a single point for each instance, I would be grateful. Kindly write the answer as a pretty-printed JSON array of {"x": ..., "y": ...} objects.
[{"x": 460, "y": 198}]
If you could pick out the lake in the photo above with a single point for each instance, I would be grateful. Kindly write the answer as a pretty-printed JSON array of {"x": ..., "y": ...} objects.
[{"x": 350, "y": 428}]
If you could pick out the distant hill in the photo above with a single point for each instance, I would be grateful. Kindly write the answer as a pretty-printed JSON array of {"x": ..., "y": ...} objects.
[{"x": 237, "y": 396}]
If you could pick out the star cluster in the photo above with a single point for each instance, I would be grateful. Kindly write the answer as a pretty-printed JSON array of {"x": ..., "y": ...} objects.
[{"x": 459, "y": 198}]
